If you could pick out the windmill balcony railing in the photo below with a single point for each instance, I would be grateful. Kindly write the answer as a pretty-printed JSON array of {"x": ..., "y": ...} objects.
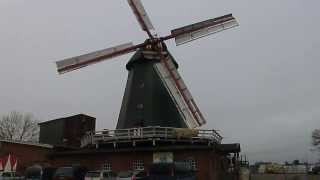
[{"x": 144, "y": 133}]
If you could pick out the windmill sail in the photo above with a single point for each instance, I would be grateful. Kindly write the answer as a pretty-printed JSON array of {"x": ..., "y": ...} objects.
[
  {"x": 180, "y": 93},
  {"x": 74, "y": 63},
  {"x": 141, "y": 15},
  {"x": 204, "y": 28}
]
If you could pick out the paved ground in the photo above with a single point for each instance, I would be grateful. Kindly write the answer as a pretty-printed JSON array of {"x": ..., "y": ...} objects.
[{"x": 284, "y": 177}]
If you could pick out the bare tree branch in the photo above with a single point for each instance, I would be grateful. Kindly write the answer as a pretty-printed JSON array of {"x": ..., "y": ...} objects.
[
  {"x": 316, "y": 138},
  {"x": 19, "y": 126}
]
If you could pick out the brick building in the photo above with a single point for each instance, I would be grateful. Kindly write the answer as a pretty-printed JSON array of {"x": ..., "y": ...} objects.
[
  {"x": 125, "y": 149},
  {"x": 139, "y": 148},
  {"x": 55, "y": 134},
  {"x": 66, "y": 131},
  {"x": 210, "y": 162},
  {"x": 27, "y": 153}
]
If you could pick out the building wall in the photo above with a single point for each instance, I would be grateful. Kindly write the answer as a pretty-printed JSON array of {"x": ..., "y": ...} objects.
[
  {"x": 27, "y": 155},
  {"x": 209, "y": 165},
  {"x": 51, "y": 132},
  {"x": 207, "y": 162},
  {"x": 66, "y": 131},
  {"x": 75, "y": 128}
]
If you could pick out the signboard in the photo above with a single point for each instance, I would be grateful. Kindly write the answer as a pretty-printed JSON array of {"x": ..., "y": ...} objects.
[{"x": 163, "y": 157}]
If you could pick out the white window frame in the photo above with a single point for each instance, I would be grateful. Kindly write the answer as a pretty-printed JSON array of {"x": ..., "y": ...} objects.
[
  {"x": 192, "y": 162},
  {"x": 107, "y": 166},
  {"x": 138, "y": 165}
]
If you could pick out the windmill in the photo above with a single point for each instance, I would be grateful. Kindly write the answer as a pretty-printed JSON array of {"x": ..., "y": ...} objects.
[{"x": 155, "y": 94}]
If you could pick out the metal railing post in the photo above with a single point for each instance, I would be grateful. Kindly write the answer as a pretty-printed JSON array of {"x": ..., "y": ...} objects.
[{"x": 166, "y": 133}]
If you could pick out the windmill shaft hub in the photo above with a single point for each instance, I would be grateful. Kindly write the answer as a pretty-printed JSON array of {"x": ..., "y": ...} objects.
[{"x": 155, "y": 44}]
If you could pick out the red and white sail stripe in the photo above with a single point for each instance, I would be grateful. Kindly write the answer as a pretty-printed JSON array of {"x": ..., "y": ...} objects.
[{"x": 8, "y": 163}]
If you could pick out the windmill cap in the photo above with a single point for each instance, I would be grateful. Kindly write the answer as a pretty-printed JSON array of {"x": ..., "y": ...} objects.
[{"x": 138, "y": 58}]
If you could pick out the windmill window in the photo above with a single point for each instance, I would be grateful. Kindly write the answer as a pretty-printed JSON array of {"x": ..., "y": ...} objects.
[
  {"x": 140, "y": 106},
  {"x": 138, "y": 165}
]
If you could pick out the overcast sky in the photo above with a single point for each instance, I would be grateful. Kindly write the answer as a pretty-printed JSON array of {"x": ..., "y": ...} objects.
[{"x": 258, "y": 83}]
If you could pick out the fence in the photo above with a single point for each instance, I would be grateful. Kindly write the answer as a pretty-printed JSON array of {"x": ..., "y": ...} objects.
[{"x": 164, "y": 133}]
